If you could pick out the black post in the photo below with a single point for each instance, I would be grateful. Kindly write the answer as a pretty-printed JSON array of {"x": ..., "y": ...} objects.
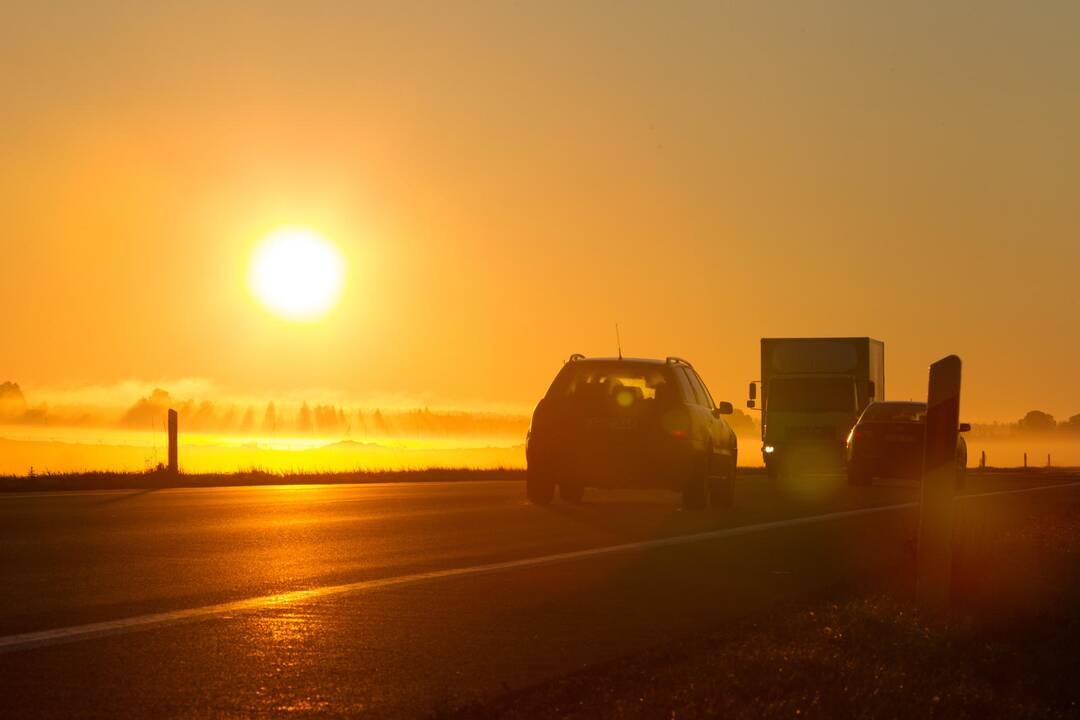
[
  {"x": 933, "y": 583},
  {"x": 174, "y": 465}
]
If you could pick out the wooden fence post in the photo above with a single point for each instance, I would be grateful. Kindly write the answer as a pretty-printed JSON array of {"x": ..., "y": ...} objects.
[
  {"x": 174, "y": 465},
  {"x": 933, "y": 583}
]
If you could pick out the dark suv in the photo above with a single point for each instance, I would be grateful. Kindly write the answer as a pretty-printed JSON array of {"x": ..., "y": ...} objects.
[{"x": 627, "y": 423}]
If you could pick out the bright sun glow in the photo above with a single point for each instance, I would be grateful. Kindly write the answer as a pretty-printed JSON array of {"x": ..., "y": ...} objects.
[{"x": 297, "y": 274}]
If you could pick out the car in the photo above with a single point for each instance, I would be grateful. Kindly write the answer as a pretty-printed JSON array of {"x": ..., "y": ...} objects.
[
  {"x": 887, "y": 441},
  {"x": 630, "y": 423}
]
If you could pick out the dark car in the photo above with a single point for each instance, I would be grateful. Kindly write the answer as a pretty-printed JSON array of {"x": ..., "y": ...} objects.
[
  {"x": 887, "y": 441},
  {"x": 630, "y": 423}
]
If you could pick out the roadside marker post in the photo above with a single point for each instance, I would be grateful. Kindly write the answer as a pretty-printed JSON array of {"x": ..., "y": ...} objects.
[
  {"x": 933, "y": 580},
  {"x": 174, "y": 466}
]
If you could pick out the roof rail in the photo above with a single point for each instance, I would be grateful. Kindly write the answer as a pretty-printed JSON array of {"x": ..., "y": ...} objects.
[
  {"x": 575, "y": 357},
  {"x": 672, "y": 360}
]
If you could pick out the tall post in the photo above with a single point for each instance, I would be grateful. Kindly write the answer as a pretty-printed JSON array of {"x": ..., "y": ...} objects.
[
  {"x": 933, "y": 583},
  {"x": 982, "y": 460},
  {"x": 174, "y": 465},
  {"x": 1025, "y": 460}
]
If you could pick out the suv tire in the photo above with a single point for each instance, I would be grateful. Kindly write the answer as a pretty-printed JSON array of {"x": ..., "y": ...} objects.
[
  {"x": 695, "y": 494},
  {"x": 722, "y": 486},
  {"x": 539, "y": 487}
]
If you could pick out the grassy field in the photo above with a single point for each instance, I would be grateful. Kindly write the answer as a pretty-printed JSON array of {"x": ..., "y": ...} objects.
[
  {"x": 157, "y": 479},
  {"x": 1011, "y": 650}
]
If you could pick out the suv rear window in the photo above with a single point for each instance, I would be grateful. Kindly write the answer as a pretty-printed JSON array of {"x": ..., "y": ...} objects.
[{"x": 625, "y": 383}]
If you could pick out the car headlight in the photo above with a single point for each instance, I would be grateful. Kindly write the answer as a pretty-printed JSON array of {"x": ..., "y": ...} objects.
[{"x": 769, "y": 449}]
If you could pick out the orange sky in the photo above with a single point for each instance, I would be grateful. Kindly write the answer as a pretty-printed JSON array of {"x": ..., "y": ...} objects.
[{"x": 507, "y": 181}]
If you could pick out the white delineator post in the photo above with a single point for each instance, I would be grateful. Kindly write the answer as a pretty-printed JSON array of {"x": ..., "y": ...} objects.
[{"x": 933, "y": 581}]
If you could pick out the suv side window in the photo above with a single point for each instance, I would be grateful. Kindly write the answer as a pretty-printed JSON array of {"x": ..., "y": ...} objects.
[
  {"x": 697, "y": 395},
  {"x": 685, "y": 386},
  {"x": 700, "y": 385}
]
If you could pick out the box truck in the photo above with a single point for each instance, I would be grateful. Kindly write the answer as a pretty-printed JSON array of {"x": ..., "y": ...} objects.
[{"x": 811, "y": 392}]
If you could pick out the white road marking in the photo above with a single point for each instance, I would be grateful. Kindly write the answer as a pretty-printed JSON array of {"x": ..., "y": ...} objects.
[
  {"x": 1019, "y": 491},
  {"x": 76, "y": 633}
]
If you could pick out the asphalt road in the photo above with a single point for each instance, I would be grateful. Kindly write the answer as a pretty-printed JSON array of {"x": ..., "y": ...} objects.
[{"x": 390, "y": 600}]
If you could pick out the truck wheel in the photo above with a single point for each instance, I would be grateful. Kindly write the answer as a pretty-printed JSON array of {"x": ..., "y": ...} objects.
[
  {"x": 539, "y": 487},
  {"x": 572, "y": 492}
]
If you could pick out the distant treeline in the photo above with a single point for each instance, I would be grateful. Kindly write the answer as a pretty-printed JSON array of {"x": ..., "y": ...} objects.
[
  {"x": 1035, "y": 422},
  {"x": 322, "y": 420},
  {"x": 273, "y": 418}
]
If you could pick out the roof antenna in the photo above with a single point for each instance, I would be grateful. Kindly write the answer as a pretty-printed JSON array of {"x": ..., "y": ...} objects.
[{"x": 618, "y": 340}]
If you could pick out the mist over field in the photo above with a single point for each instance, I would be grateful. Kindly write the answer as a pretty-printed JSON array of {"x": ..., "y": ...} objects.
[
  {"x": 122, "y": 427},
  {"x": 110, "y": 429}
]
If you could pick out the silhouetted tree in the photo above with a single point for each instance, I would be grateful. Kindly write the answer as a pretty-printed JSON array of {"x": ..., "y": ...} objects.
[
  {"x": 1072, "y": 424},
  {"x": 379, "y": 422},
  {"x": 247, "y": 423},
  {"x": 741, "y": 423},
  {"x": 1037, "y": 421},
  {"x": 270, "y": 419},
  {"x": 303, "y": 421},
  {"x": 12, "y": 402}
]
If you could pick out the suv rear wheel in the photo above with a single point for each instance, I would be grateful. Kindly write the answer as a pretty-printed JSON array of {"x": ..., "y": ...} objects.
[
  {"x": 696, "y": 490},
  {"x": 722, "y": 485},
  {"x": 539, "y": 487}
]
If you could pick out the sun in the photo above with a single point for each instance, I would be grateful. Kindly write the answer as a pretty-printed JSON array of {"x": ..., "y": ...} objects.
[{"x": 296, "y": 274}]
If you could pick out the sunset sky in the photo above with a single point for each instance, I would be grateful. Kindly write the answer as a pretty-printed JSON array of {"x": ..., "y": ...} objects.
[{"x": 506, "y": 181}]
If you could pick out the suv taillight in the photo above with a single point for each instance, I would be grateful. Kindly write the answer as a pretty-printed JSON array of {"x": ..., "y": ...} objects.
[{"x": 676, "y": 422}]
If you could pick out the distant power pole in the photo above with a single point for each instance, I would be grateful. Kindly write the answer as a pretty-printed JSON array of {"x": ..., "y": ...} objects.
[
  {"x": 933, "y": 583},
  {"x": 174, "y": 465}
]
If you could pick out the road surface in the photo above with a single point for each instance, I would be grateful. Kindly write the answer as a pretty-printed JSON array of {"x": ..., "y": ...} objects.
[{"x": 399, "y": 599}]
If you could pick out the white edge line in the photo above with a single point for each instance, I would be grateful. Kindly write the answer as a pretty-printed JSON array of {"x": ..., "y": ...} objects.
[
  {"x": 76, "y": 633},
  {"x": 1019, "y": 491}
]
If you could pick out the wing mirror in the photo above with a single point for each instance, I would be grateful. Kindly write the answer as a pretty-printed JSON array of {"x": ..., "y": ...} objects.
[
  {"x": 723, "y": 408},
  {"x": 965, "y": 427}
]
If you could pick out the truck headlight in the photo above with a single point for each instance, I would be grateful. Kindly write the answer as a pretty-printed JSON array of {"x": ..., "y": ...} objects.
[{"x": 769, "y": 449}]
